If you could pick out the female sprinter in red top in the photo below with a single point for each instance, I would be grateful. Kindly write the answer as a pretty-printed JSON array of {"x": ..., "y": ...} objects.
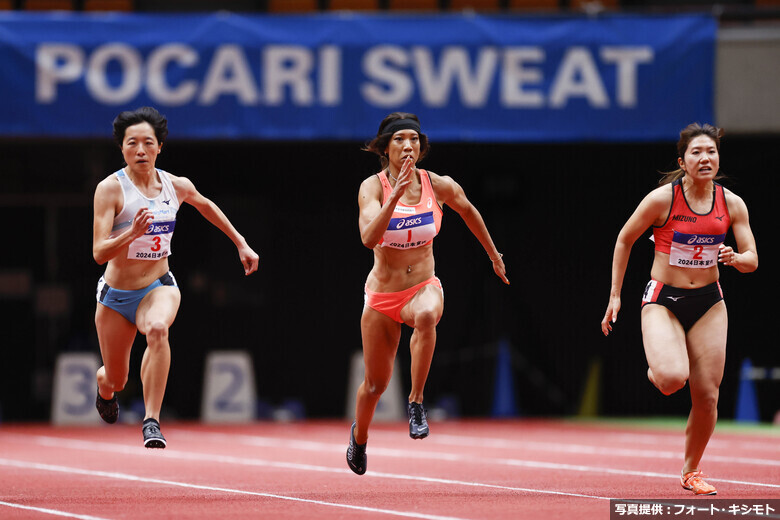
[
  {"x": 135, "y": 216},
  {"x": 400, "y": 214},
  {"x": 684, "y": 318}
]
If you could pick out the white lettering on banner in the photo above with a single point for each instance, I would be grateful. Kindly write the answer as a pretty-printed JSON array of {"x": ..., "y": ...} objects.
[
  {"x": 516, "y": 75},
  {"x": 156, "y": 66},
  {"x": 291, "y": 66},
  {"x": 627, "y": 59},
  {"x": 116, "y": 73},
  {"x": 229, "y": 74},
  {"x": 330, "y": 75},
  {"x": 56, "y": 63},
  {"x": 285, "y": 67},
  {"x": 435, "y": 86},
  {"x": 131, "y": 65},
  {"x": 377, "y": 64},
  {"x": 578, "y": 76},
  {"x": 391, "y": 72}
]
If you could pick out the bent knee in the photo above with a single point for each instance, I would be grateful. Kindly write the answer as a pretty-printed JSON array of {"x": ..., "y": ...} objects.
[
  {"x": 156, "y": 330},
  {"x": 668, "y": 381},
  {"x": 426, "y": 318}
]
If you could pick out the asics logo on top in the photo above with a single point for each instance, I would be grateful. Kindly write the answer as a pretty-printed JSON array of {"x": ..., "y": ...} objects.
[
  {"x": 161, "y": 228},
  {"x": 707, "y": 239},
  {"x": 410, "y": 222},
  {"x": 406, "y": 222}
]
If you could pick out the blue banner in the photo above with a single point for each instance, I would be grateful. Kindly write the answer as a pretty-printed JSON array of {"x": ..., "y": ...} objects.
[{"x": 334, "y": 76}]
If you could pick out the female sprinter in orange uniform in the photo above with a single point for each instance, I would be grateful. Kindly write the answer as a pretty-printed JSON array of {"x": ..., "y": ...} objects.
[
  {"x": 135, "y": 215},
  {"x": 400, "y": 214},
  {"x": 684, "y": 318}
]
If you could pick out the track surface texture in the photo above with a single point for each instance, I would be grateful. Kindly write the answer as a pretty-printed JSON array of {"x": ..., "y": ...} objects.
[{"x": 472, "y": 469}]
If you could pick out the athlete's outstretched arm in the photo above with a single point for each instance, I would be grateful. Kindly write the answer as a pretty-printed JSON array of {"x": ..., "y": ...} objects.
[
  {"x": 648, "y": 211},
  {"x": 452, "y": 194},
  {"x": 186, "y": 191}
]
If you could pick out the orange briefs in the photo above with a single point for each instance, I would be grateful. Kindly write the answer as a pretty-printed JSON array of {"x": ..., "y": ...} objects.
[{"x": 390, "y": 304}]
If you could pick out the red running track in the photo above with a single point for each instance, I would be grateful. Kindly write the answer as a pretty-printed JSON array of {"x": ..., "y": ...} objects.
[{"x": 466, "y": 470}]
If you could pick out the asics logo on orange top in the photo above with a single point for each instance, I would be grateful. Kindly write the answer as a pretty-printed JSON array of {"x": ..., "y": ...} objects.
[
  {"x": 411, "y": 225},
  {"x": 404, "y": 223}
]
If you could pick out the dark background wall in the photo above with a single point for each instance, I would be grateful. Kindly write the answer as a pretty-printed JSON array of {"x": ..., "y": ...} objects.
[{"x": 553, "y": 210}]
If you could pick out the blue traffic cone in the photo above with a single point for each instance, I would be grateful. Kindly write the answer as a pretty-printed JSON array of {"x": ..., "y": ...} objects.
[
  {"x": 747, "y": 400},
  {"x": 504, "y": 388}
]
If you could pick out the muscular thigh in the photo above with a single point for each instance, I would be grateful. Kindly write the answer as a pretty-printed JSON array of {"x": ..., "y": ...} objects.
[
  {"x": 160, "y": 304},
  {"x": 428, "y": 299},
  {"x": 115, "y": 336},
  {"x": 663, "y": 338},
  {"x": 381, "y": 335},
  {"x": 707, "y": 346}
]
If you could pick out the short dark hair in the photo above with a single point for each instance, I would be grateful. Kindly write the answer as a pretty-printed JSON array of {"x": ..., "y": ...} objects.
[
  {"x": 140, "y": 115},
  {"x": 378, "y": 145},
  {"x": 688, "y": 134}
]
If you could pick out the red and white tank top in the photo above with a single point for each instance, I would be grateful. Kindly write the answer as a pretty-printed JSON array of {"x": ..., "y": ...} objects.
[
  {"x": 692, "y": 239},
  {"x": 412, "y": 225},
  {"x": 156, "y": 242}
]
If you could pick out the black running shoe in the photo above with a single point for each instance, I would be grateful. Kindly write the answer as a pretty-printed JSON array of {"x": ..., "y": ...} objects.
[
  {"x": 153, "y": 438},
  {"x": 356, "y": 453},
  {"x": 108, "y": 409},
  {"x": 418, "y": 424}
]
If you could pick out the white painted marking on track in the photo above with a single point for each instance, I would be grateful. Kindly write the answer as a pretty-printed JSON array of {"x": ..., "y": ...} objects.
[
  {"x": 458, "y": 440},
  {"x": 47, "y": 511},
  {"x": 272, "y": 442},
  {"x": 761, "y": 444},
  {"x": 310, "y": 445},
  {"x": 451, "y": 457},
  {"x": 135, "y": 478},
  {"x": 245, "y": 461},
  {"x": 582, "y": 449}
]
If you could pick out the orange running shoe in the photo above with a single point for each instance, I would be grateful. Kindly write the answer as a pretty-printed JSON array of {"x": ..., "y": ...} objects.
[{"x": 695, "y": 483}]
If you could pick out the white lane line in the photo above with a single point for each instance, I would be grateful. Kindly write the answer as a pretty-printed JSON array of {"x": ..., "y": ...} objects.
[
  {"x": 246, "y": 461},
  {"x": 47, "y": 511},
  {"x": 272, "y": 442},
  {"x": 582, "y": 449},
  {"x": 748, "y": 441},
  {"x": 403, "y": 454},
  {"x": 135, "y": 478}
]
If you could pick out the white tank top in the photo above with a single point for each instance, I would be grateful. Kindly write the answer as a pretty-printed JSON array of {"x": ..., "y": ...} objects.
[{"x": 156, "y": 242}]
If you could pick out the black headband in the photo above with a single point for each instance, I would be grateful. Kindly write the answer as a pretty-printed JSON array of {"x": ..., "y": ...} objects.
[{"x": 401, "y": 124}]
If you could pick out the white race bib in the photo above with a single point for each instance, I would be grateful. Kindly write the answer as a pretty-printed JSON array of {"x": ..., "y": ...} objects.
[
  {"x": 153, "y": 245},
  {"x": 695, "y": 251}
]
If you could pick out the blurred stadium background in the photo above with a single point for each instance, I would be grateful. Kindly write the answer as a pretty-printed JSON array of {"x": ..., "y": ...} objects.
[{"x": 554, "y": 208}]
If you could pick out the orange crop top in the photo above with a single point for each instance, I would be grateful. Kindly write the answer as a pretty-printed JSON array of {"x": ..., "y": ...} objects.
[{"x": 412, "y": 225}]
